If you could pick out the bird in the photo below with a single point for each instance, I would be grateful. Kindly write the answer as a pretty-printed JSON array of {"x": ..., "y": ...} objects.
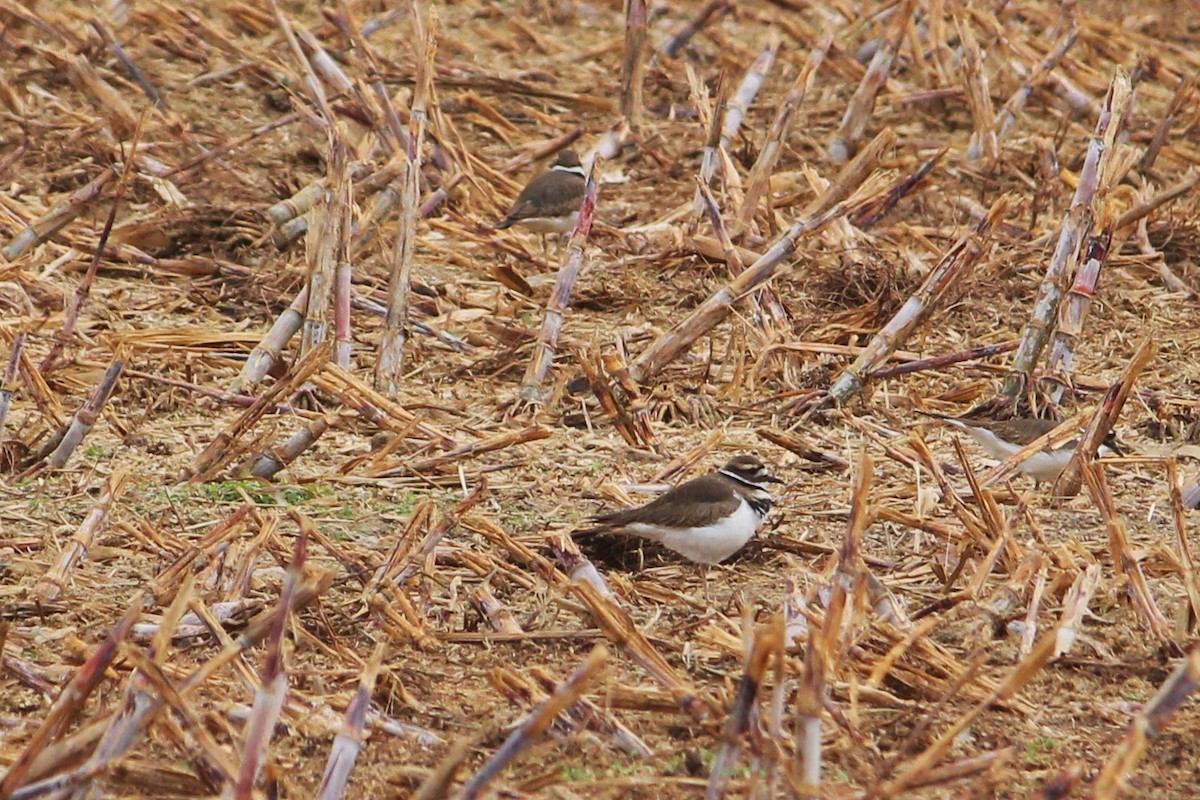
[
  {"x": 1002, "y": 438},
  {"x": 706, "y": 519},
  {"x": 550, "y": 202},
  {"x": 1191, "y": 494}
]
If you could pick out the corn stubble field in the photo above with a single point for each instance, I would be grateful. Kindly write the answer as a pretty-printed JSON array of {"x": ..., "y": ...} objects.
[{"x": 398, "y": 610}]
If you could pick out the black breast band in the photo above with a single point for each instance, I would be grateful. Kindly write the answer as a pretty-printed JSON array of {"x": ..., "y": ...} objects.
[{"x": 761, "y": 505}]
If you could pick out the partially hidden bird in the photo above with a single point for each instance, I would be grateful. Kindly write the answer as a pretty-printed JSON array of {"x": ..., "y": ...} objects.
[
  {"x": 550, "y": 202},
  {"x": 1002, "y": 438}
]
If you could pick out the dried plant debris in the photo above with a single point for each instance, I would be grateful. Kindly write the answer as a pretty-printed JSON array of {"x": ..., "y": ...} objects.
[{"x": 296, "y": 434}]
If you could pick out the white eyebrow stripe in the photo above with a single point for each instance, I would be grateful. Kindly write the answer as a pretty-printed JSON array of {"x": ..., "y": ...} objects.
[{"x": 741, "y": 480}]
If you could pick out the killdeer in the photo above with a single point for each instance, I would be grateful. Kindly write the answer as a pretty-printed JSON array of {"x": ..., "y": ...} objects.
[
  {"x": 1002, "y": 438},
  {"x": 706, "y": 519},
  {"x": 550, "y": 202}
]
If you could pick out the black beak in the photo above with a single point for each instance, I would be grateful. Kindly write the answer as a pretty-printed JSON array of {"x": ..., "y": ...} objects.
[{"x": 771, "y": 479}]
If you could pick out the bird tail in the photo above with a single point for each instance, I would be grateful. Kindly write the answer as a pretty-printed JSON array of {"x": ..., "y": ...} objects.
[
  {"x": 936, "y": 415},
  {"x": 589, "y": 533},
  {"x": 603, "y": 525}
]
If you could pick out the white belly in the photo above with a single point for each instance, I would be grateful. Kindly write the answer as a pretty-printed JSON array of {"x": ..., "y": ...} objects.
[
  {"x": 1043, "y": 466},
  {"x": 1046, "y": 466},
  {"x": 710, "y": 544},
  {"x": 550, "y": 224}
]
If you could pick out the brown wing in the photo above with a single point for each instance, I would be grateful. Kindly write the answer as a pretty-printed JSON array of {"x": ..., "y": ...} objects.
[
  {"x": 1017, "y": 429},
  {"x": 1025, "y": 430},
  {"x": 690, "y": 504},
  {"x": 551, "y": 194},
  {"x": 1020, "y": 430}
]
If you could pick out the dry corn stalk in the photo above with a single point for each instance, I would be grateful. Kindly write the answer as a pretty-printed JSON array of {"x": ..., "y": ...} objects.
[
  {"x": 958, "y": 261},
  {"x": 779, "y": 134},
  {"x": 9, "y": 377},
  {"x": 1187, "y": 85},
  {"x": 321, "y": 243},
  {"x": 1148, "y": 725},
  {"x": 919, "y": 767},
  {"x": 619, "y": 627},
  {"x": 475, "y": 449},
  {"x": 437, "y": 785},
  {"x": 586, "y": 713},
  {"x": 740, "y": 100},
  {"x": 810, "y": 699},
  {"x": 714, "y": 155},
  {"x": 1183, "y": 550},
  {"x": 50, "y": 587},
  {"x": 590, "y": 362},
  {"x": 817, "y": 215},
  {"x": 975, "y": 85},
  {"x": 389, "y": 415},
  {"x": 670, "y": 47},
  {"x": 498, "y": 616},
  {"x": 1072, "y": 312},
  {"x": 288, "y": 216},
  {"x": 1190, "y": 494},
  {"x": 58, "y": 217},
  {"x": 1007, "y": 117},
  {"x": 348, "y": 742},
  {"x": 1074, "y": 607},
  {"x": 763, "y": 298},
  {"x": 577, "y": 566},
  {"x": 116, "y": 736},
  {"x": 861, "y": 105},
  {"x": 390, "y": 355},
  {"x": 84, "y": 287},
  {"x": 633, "y": 69},
  {"x": 536, "y": 725},
  {"x": 744, "y": 712},
  {"x": 272, "y": 692},
  {"x": 269, "y": 351},
  {"x": 556, "y": 307},
  {"x": 1126, "y": 566},
  {"x": 86, "y": 417},
  {"x": 608, "y": 146},
  {"x": 1143, "y": 209},
  {"x": 1075, "y": 229},
  {"x": 399, "y": 570},
  {"x": 224, "y": 446},
  {"x": 69, "y": 702},
  {"x": 342, "y": 291},
  {"x": 640, "y": 421},
  {"x": 268, "y": 463},
  {"x": 1070, "y": 480},
  {"x": 233, "y": 144}
]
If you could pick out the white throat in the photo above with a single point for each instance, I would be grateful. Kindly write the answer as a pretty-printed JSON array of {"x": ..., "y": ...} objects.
[{"x": 572, "y": 170}]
